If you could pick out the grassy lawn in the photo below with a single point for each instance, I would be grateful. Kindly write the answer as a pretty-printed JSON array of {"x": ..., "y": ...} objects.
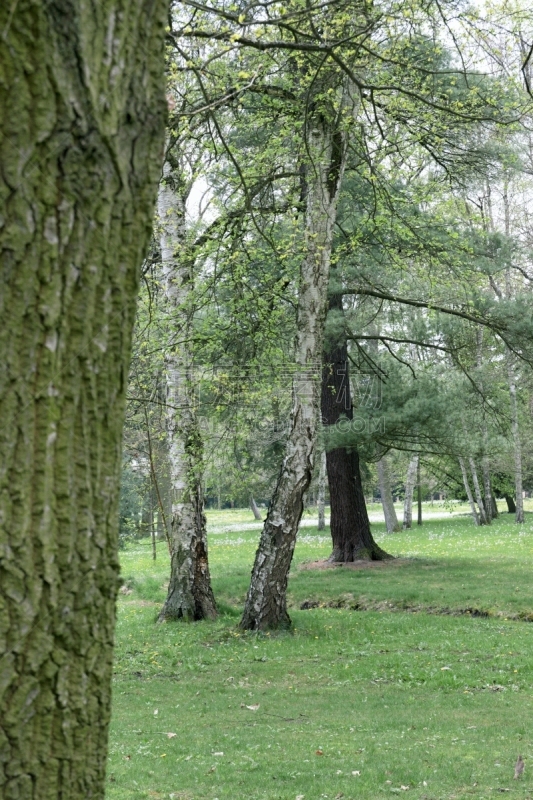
[{"x": 351, "y": 703}]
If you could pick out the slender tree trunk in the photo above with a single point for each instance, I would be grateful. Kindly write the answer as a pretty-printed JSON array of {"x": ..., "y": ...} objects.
[
  {"x": 419, "y": 492},
  {"x": 349, "y": 524},
  {"x": 265, "y": 605},
  {"x": 322, "y": 493},
  {"x": 491, "y": 510},
  {"x": 189, "y": 596},
  {"x": 468, "y": 491},
  {"x": 515, "y": 427},
  {"x": 255, "y": 510},
  {"x": 389, "y": 512},
  {"x": 482, "y": 516},
  {"x": 409, "y": 489},
  {"x": 81, "y": 135}
]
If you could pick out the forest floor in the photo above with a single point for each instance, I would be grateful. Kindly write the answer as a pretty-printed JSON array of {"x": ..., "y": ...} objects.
[{"x": 414, "y": 678}]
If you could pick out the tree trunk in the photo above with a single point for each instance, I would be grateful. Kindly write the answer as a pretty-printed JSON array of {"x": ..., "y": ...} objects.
[
  {"x": 519, "y": 515},
  {"x": 349, "y": 524},
  {"x": 491, "y": 510},
  {"x": 484, "y": 520},
  {"x": 322, "y": 493},
  {"x": 189, "y": 596},
  {"x": 81, "y": 136},
  {"x": 468, "y": 491},
  {"x": 389, "y": 512},
  {"x": 419, "y": 492},
  {"x": 511, "y": 505},
  {"x": 409, "y": 489},
  {"x": 255, "y": 510},
  {"x": 265, "y": 605}
]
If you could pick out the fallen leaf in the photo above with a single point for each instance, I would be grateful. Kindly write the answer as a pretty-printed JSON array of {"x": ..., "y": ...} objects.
[
  {"x": 300, "y": 797},
  {"x": 319, "y": 752},
  {"x": 253, "y": 708},
  {"x": 338, "y": 796},
  {"x": 356, "y": 772},
  {"x": 213, "y": 768},
  {"x": 218, "y": 754},
  {"x": 404, "y": 788},
  {"x": 171, "y": 735},
  {"x": 156, "y": 712}
]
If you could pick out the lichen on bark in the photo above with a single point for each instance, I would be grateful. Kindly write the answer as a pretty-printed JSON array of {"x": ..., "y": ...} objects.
[{"x": 81, "y": 135}]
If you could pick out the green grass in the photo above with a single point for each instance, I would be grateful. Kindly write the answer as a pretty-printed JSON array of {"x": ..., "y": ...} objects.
[{"x": 438, "y": 703}]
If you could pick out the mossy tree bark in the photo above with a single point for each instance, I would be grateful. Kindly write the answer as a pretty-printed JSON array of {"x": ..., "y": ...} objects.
[{"x": 81, "y": 140}]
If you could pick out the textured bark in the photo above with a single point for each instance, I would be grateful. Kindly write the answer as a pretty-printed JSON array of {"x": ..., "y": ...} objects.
[
  {"x": 484, "y": 520},
  {"x": 321, "y": 501},
  {"x": 469, "y": 492},
  {"x": 265, "y": 605},
  {"x": 81, "y": 139},
  {"x": 389, "y": 512},
  {"x": 349, "y": 524},
  {"x": 409, "y": 489},
  {"x": 190, "y": 595}
]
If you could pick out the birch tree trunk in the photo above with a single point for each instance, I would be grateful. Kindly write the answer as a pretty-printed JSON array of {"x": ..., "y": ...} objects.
[
  {"x": 189, "y": 596},
  {"x": 321, "y": 503},
  {"x": 255, "y": 510},
  {"x": 81, "y": 138},
  {"x": 468, "y": 491},
  {"x": 515, "y": 427},
  {"x": 409, "y": 489},
  {"x": 491, "y": 510},
  {"x": 265, "y": 605},
  {"x": 389, "y": 512},
  {"x": 482, "y": 516}
]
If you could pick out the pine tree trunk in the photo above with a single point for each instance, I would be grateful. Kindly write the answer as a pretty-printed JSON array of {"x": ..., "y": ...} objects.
[
  {"x": 389, "y": 512},
  {"x": 81, "y": 136},
  {"x": 468, "y": 492},
  {"x": 265, "y": 605},
  {"x": 189, "y": 596},
  {"x": 409, "y": 489},
  {"x": 321, "y": 502},
  {"x": 511, "y": 505},
  {"x": 349, "y": 524}
]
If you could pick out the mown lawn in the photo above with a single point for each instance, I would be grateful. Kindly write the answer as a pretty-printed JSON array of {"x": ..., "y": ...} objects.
[{"x": 350, "y": 703}]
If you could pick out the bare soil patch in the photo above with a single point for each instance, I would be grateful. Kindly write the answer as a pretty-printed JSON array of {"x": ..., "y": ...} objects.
[{"x": 324, "y": 563}]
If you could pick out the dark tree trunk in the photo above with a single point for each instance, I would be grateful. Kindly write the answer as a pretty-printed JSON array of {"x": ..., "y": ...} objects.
[
  {"x": 511, "y": 505},
  {"x": 349, "y": 523}
]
